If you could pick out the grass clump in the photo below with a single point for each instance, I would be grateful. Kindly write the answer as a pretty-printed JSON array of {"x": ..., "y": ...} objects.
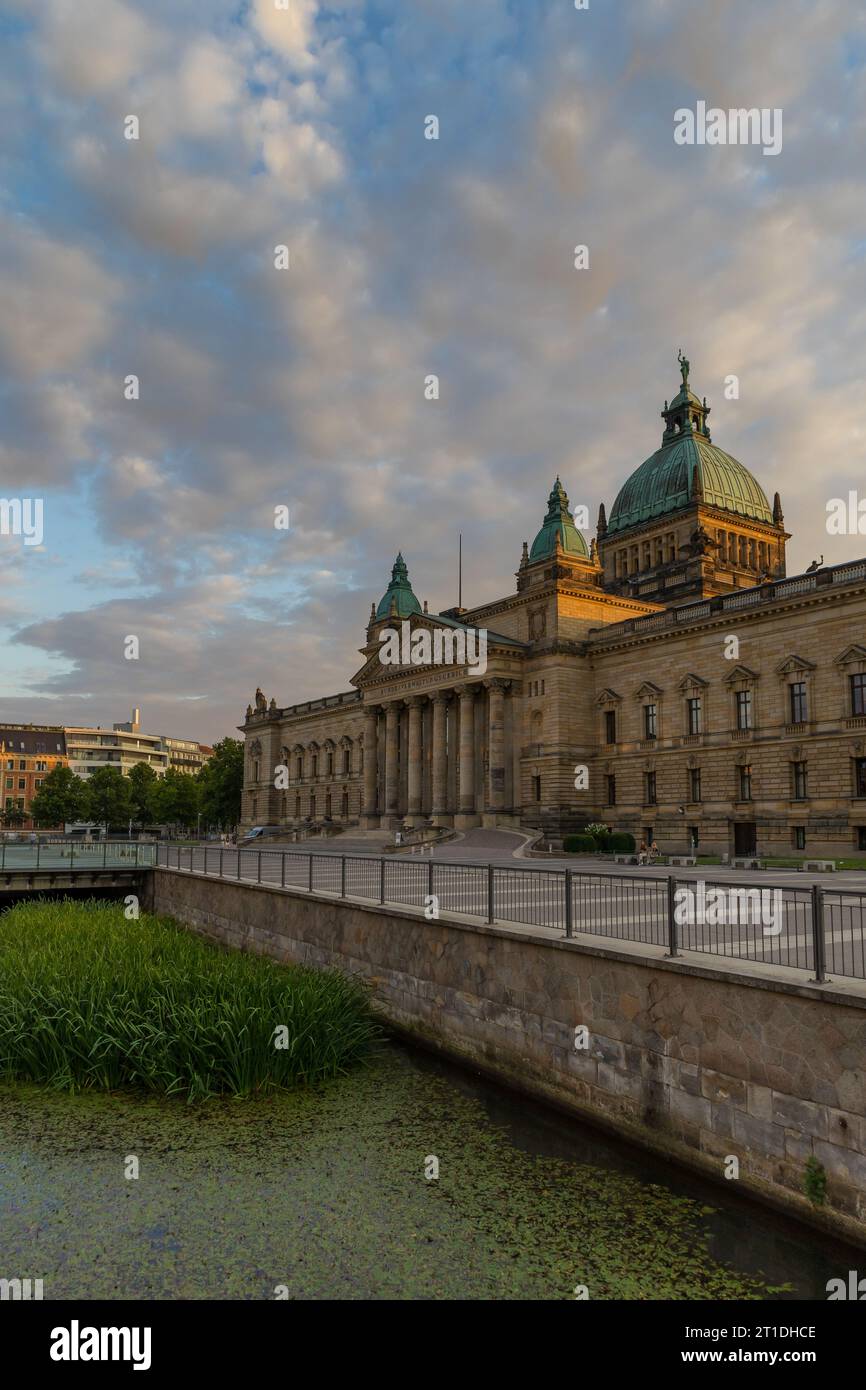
[{"x": 90, "y": 999}]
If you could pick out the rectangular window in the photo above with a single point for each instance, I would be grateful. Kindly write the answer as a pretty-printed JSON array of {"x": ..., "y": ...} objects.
[
  {"x": 10, "y": 782},
  {"x": 650, "y": 722},
  {"x": 22, "y": 784},
  {"x": 695, "y": 715},
  {"x": 10, "y": 764},
  {"x": 799, "y": 837},
  {"x": 859, "y": 777},
  {"x": 745, "y": 778},
  {"x": 798, "y": 775},
  {"x": 610, "y": 726},
  {"x": 22, "y": 765},
  {"x": 650, "y": 788},
  {"x": 694, "y": 784},
  {"x": 611, "y": 791},
  {"x": 798, "y": 702},
  {"x": 536, "y": 788},
  {"x": 858, "y": 693},
  {"x": 694, "y": 837},
  {"x": 861, "y": 836},
  {"x": 744, "y": 709}
]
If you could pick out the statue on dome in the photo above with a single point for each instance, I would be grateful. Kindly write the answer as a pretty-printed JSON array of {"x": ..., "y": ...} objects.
[
  {"x": 261, "y": 702},
  {"x": 684, "y": 367}
]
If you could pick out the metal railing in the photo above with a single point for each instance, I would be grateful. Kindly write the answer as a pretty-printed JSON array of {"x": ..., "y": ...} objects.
[
  {"x": 65, "y": 855},
  {"x": 808, "y": 928}
]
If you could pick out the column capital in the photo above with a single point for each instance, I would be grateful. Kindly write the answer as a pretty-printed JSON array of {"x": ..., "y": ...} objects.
[
  {"x": 440, "y": 697},
  {"x": 498, "y": 683},
  {"x": 467, "y": 692},
  {"x": 414, "y": 701}
]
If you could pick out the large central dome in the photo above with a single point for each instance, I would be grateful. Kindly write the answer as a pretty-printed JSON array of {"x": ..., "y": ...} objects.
[{"x": 688, "y": 467}]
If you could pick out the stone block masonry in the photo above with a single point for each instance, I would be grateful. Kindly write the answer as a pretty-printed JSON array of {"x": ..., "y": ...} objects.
[{"x": 688, "y": 1059}]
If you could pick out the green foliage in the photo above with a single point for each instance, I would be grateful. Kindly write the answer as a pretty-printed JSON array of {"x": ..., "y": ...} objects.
[
  {"x": 12, "y": 816},
  {"x": 109, "y": 801},
  {"x": 89, "y": 999},
  {"x": 176, "y": 798},
  {"x": 142, "y": 788},
  {"x": 579, "y": 844},
  {"x": 221, "y": 782},
  {"x": 62, "y": 797},
  {"x": 622, "y": 842},
  {"x": 815, "y": 1181},
  {"x": 597, "y": 839}
]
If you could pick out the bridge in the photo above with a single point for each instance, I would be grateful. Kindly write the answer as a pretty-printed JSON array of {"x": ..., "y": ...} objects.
[{"x": 50, "y": 865}]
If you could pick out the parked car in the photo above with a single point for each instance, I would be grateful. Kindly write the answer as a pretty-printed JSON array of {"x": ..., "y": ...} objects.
[{"x": 258, "y": 833}]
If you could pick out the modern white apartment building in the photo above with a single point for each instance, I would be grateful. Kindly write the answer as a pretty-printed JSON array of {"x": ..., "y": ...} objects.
[{"x": 122, "y": 747}]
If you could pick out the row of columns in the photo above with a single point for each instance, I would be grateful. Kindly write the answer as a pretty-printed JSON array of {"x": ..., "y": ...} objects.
[{"x": 382, "y": 794}]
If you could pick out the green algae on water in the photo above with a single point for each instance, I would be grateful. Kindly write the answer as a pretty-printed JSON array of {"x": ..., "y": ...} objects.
[{"x": 323, "y": 1190}]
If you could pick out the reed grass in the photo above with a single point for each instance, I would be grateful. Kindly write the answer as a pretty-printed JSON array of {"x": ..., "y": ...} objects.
[{"x": 89, "y": 999}]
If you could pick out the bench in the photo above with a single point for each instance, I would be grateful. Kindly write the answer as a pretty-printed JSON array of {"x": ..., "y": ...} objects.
[
  {"x": 625, "y": 859},
  {"x": 820, "y": 866},
  {"x": 747, "y": 863},
  {"x": 682, "y": 859}
]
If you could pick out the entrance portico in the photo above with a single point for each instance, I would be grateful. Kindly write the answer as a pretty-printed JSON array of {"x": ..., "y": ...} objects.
[{"x": 443, "y": 755}]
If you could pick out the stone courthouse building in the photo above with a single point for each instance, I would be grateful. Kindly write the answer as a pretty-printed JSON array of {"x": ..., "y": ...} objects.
[{"x": 668, "y": 679}]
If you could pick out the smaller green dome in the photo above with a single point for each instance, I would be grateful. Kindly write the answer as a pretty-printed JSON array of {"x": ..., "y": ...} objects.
[
  {"x": 400, "y": 592},
  {"x": 558, "y": 522}
]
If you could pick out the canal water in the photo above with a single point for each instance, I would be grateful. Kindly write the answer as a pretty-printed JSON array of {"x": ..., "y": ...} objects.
[{"x": 329, "y": 1194}]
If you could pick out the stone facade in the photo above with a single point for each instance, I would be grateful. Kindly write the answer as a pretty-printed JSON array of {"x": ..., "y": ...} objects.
[
  {"x": 668, "y": 680},
  {"x": 691, "y": 1059}
]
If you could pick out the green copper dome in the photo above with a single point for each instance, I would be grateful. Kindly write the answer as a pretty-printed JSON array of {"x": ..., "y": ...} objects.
[
  {"x": 687, "y": 468},
  {"x": 558, "y": 522},
  {"x": 400, "y": 591}
]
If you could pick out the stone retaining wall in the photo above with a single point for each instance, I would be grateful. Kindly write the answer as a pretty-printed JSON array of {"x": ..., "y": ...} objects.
[{"x": 691, "y": 1060}]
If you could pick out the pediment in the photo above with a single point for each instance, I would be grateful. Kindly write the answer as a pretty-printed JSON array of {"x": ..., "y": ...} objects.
[
  {"x": 399, "y": 650},
  {"x": 609, "y": 697},
  {"x": 741, "y": 673},
  {"x": 794, "y": 663},
  {"x": 690, "y": 680},
  {"x": 647, "y": 689},
  {"x": 853, "y": 653}
]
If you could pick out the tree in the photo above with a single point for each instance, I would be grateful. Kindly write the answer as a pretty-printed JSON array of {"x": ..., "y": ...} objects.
[
  {"x": 176, "y": 798},
  {"x": 12, "y": 815},
  {"x": 109, "y": 797},
  {"x": 62, "y": 797},
  {"x": 221, "y": 782},
  {"x": 142, "y": 786}
]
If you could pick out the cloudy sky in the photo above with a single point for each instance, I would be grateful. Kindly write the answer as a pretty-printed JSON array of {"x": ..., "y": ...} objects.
[{"x": 305, "y": 126}]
